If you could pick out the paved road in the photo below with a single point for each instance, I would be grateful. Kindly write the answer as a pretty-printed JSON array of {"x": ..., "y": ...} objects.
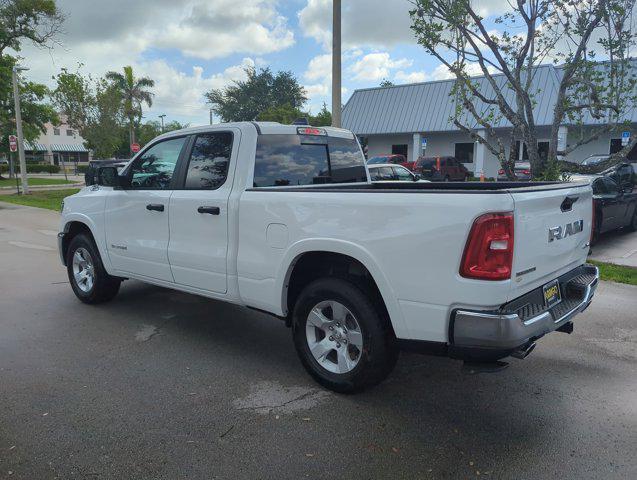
[{"x": 164, "y": 385}]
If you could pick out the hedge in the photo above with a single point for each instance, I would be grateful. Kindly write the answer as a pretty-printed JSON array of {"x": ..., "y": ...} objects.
[{"x": 34, "y": 168}]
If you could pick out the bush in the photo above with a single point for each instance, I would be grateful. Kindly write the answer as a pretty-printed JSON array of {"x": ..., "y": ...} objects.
[
  {"x": 33, "y": 168},
  {"x": 82, "y": 168}
]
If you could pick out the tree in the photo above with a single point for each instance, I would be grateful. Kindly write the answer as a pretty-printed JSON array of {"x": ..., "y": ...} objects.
[
  {"x": 35, "y": 111},
  {"x": 151, "y": 129},
  {"x": 570, "y": 34},
  {"x": 134, "y": 93},
  {"x": 323, "y": 118},
  {"x": 94, "y": 109},
  {"x": 261, "y": 92},
  {"x": 386, "y": 83},
  {"x": 36, "y": 20}
]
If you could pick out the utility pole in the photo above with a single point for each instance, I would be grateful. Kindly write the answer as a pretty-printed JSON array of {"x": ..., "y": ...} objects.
[
  {"x": 18, "y": 126},
  {"x": 211, "y": 116},
  {"x": 162, "y": 122},
  {"x": 336, "y": 63}
]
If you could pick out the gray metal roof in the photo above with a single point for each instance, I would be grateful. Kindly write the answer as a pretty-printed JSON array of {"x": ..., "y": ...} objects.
[{"x": 430, "y": 106}]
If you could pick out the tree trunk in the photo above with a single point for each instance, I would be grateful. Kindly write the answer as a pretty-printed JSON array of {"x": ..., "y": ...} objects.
[{"x": 131, "y": 133}]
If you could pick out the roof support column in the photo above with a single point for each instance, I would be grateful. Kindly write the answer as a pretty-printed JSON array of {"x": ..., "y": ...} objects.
[
  {"x": 479, "y": 156},
  {"x": 562, "y": 136},
  {"x": 415, "y": 147}
]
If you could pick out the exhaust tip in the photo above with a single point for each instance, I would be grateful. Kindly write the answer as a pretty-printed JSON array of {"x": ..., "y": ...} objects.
[{"x": 524, "y": 351}]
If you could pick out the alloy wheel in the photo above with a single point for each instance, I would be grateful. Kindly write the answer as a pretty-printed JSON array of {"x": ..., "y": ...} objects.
[{"x": 334, "y": 337}]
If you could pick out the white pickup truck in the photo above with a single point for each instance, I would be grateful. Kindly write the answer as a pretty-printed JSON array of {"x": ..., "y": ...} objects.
[{"x": 284, "y": 219}]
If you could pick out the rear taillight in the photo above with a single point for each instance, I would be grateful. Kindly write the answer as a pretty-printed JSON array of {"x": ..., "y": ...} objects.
[
  {"x": 501, "y": 171},
  {"x": 488, "y": 254},
  {"x": 526, "y": 172}
]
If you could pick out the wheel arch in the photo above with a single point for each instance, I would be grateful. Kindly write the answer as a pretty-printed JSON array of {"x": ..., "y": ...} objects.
[
  {"x": 72, "y": 228},
  {"x": 314, "y": 259}
]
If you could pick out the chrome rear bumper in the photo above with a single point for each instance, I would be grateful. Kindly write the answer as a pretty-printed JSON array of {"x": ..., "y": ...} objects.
[{"x": 520, "y": 322}]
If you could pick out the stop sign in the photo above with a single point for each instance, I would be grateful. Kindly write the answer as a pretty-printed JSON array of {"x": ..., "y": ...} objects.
[
  {"x": 13, "y": 143},
  {"x": 135, "y": 147}
]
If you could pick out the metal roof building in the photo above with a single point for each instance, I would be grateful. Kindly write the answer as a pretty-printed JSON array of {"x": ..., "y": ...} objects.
[{"x": 417, "y": 119}]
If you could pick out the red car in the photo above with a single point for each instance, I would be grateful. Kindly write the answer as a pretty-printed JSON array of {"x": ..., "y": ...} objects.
[
  {"x": 394, "y": 158},
  {"x": 444, "y": 169}
]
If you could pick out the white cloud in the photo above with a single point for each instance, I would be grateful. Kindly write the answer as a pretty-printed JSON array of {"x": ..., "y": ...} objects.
[
  {"x": 320, "y": 67},
  {"x": 411, "y": 77},
  {"x": 376, "y": 66},
  {"x": 372, "y": 23}
]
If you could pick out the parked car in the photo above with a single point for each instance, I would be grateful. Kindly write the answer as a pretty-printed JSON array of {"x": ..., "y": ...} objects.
[
  {"x": 395, "y": 159},
  {"x": 284, "y": 219},
  {"x": 614, "y": 207},
  {"x": 522, "y": 172},
  {"x": 593, "y": 160},
  {"x": 90, "y": 176},
  {"x": 623, "y": 174},
  {"x": 386, "y": 172},
  {"x": 445, "y": 169}
]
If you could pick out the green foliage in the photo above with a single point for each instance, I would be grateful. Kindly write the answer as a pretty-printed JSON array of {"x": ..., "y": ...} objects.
[
  {"x": 34, "y": 168},
  {"x": 151, "y": 129},
  {"x": 323, "y": 118},
  {"x": 386, "y": 83},
  {"x": 134, "y": 92},
  {"x": 37, "y": 21},
  {"x": 572, "y": 34},
  {"x": 94, "y": 109},
  {"x": 35, "y": 111},
  {"x": 286, "y": 114},
  {"x": 260, "y": 94}
]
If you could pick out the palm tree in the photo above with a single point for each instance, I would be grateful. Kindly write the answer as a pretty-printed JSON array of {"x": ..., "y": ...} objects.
[{"x": 134, "y": 92}]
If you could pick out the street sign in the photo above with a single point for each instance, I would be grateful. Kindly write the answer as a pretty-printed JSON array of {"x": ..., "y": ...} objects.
[
  {"x": 424, "y": 143},
  {"x": 625, "y": 138},
  {"x": 135, "y": 147},
  {"x": 13, "y": 143}
]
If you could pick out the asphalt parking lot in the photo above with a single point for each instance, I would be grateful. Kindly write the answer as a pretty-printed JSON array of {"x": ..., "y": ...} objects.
[{"x": 165, "y": 385}]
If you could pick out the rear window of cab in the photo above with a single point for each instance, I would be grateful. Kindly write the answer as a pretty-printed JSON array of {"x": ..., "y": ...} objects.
[{"x": 297, "y": 160}]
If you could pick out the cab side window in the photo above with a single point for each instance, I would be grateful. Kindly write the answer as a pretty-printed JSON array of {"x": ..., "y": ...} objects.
[
  {"x": 209, "y": 160},
  {"x": 154, "y": 169}
]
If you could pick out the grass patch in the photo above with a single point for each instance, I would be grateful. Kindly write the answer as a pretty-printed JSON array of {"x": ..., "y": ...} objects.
[
  {"x": 616, "y": 273},
  {"x": 51, "y": 200},
  {"x": 10, "y": 182}
]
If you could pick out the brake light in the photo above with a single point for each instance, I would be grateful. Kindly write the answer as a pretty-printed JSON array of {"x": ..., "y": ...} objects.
[
  {"x": 437, "y": 167},
  {"x": 488, "y": 254},
  {"x": 526, "y": 172},
  {"x": 501, "y": 171},
  {"x": 310, "y": 131}
]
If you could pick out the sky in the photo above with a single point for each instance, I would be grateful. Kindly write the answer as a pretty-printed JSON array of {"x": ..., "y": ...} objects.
[{"x": 191, "y": 46}]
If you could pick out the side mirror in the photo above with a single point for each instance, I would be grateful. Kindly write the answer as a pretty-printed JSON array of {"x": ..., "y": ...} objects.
[
  {"x": 109, "y": 177},
  {"x": 417, "y": 177}
]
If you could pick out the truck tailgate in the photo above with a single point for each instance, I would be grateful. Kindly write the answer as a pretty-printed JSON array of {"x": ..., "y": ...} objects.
[{"x": 552, "y": 234}]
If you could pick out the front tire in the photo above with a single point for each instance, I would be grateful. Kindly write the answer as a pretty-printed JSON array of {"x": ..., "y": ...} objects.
[
  {"x": 342, "y": 340},
  {"x": 89, "y": 280}
]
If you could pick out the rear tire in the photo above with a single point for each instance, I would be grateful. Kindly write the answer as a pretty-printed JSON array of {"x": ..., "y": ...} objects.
[
  {"x": 353, "y": 344},
  {"x": 89, "y": 280}
]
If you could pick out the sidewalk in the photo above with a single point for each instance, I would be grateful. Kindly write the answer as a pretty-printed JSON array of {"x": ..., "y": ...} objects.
[{"x": 618, "y": 247}]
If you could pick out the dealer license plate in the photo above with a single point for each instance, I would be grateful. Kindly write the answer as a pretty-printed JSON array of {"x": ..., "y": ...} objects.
[{"x": 552, "y": 294}]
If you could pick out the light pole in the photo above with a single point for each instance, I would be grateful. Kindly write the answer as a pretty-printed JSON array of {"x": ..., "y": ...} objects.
[
  {"x": 336, "y": 63},
  {"x": 211, "y": 116},
  {"x": 18, "y": 126},
  {"x": 162, "y": 122}
]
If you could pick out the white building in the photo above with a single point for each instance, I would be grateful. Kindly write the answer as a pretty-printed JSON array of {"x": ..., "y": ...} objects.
[
  {"x": 416, "y": 119},
  {"x": 60, "y": 144}
]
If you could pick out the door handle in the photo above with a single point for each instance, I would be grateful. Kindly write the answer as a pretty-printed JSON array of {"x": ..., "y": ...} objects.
[
  {"x": 155, "y": 206},
  {"x": 210, "y": 210}
]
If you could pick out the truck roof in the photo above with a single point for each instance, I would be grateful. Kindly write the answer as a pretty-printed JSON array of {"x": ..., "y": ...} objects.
[{"x": 264, "y": 128}]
